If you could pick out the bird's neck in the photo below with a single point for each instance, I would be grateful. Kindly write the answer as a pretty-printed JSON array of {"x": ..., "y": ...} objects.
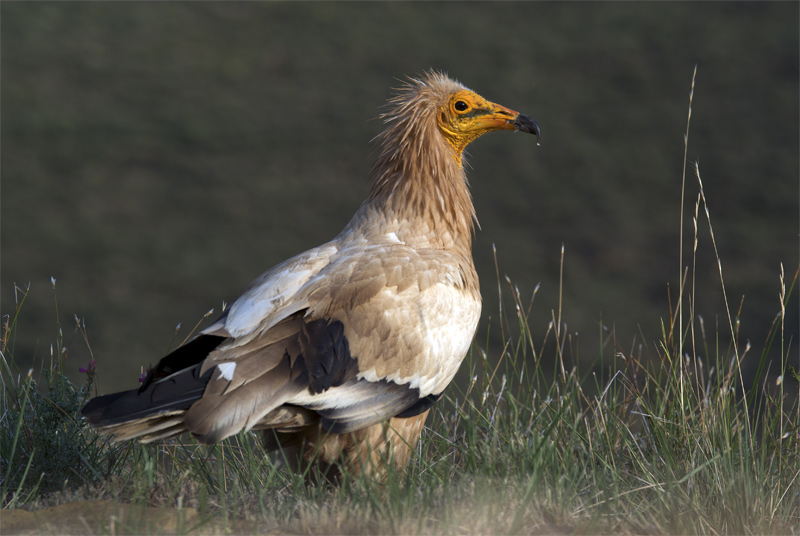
[{"x": 419, "y": 191}]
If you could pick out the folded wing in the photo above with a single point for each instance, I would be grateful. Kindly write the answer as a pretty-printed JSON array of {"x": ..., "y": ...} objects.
[{"x": 354, "y": 343}]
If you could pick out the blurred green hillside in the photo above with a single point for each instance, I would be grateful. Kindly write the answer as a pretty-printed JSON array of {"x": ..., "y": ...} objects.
[{"x": 156, "y": 157}]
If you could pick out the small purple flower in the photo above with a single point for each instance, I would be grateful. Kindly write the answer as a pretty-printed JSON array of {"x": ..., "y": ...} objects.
[
  {"x": 89, "y": 368},
  {"x": 144, "y": 375}
]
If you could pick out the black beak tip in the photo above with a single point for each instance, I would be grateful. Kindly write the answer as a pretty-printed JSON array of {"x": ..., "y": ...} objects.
[{"x": 524, "y": 123}]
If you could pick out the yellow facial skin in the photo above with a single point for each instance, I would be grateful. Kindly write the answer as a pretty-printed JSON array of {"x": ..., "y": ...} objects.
[{"x": 467, "y": 115}]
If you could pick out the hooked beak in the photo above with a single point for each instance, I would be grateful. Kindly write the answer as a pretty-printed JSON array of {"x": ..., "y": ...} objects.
[
  {"x": 502, "y": 118},
  {"x": 528, "y": 124}
]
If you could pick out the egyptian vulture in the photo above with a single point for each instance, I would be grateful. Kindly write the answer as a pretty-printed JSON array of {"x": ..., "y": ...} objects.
[{"x": 339, "y": 353}]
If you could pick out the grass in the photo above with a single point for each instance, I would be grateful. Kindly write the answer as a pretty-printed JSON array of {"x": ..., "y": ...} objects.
[
  {"x": 671, "y": 445},
  {"x": 660, "y": 439}
]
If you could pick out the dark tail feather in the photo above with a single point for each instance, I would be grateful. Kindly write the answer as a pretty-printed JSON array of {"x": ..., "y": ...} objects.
[
  {"x": 174, "y": 393},
  {"x": 169, "y": 390}
]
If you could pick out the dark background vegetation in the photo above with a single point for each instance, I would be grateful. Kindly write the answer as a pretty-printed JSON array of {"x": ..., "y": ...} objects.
[{"x": 156, "y": 157}]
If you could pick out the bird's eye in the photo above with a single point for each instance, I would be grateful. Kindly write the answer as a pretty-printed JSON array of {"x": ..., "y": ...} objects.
[{"x": 461, "y": 106}]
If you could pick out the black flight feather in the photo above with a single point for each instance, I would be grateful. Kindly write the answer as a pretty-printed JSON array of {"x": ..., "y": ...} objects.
[{"x": 190, "y": 354}]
